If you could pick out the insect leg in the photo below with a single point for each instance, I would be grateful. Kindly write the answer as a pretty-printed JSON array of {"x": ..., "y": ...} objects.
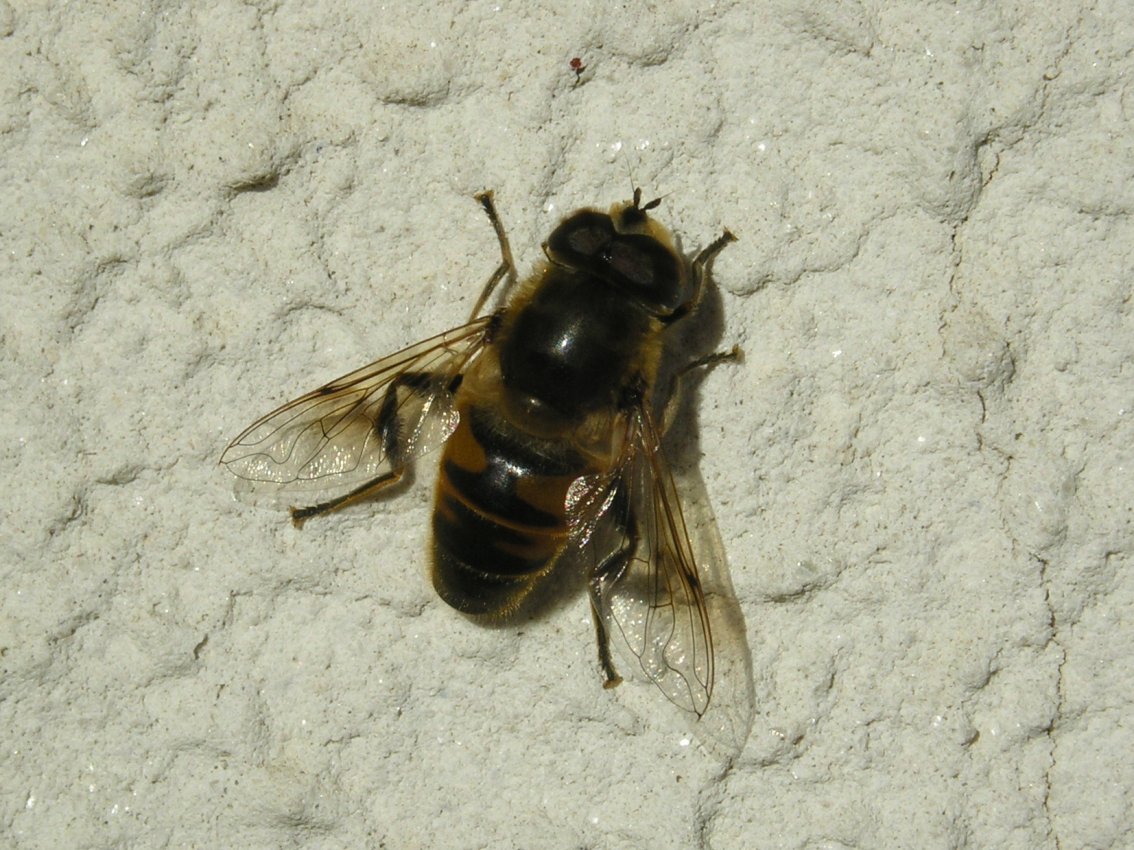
[
  {"x": 697, "y": 267},
  {"x": 369, "y": 488},
  {"x": 607, "y": 572},
  {"x": 507, "y": 268},
  {"x": 672, "y": 393},
  {"x": 388, "y": 427}
]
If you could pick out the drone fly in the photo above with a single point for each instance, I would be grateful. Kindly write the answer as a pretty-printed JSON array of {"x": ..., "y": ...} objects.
[{"x": 551, "y": 418}]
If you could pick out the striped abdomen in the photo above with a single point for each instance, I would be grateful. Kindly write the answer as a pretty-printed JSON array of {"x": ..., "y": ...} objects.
[{"x": 499, "y": 517}]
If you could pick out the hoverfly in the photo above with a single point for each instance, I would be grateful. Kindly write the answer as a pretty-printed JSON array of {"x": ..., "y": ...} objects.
[{"x": 551, "y": 422}]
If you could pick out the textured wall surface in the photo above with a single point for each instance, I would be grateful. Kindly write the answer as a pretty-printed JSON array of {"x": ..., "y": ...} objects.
[{"x": 922, "y": 472}]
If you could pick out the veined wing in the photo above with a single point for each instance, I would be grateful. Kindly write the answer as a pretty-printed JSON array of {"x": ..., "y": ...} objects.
[
  {"x": 655, "y": 602},
  {"x": 358, "y": 427}
]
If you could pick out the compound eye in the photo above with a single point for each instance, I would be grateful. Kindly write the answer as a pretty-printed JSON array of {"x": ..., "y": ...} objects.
[
  {"x": 645, "y": 267},
  {"x": 636, "y": 263},
  {"x": 581, "y": 239}
]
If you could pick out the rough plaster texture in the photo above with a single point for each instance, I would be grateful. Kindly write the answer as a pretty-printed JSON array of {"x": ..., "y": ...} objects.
[{"x": 922, "y": 473}]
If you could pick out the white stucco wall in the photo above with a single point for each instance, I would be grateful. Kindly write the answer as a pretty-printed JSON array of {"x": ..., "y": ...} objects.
[{"x": 922, "y": 473}]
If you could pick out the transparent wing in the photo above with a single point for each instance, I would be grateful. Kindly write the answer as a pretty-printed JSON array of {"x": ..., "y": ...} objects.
[
  {"x": 654, "y": 601},
  {"x": 358, "y": 427}
]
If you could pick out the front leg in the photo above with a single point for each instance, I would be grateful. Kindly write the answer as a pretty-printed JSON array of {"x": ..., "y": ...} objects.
[
  {"x": 699, "y": 270},
  {"x": 507, "y": 268}
]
